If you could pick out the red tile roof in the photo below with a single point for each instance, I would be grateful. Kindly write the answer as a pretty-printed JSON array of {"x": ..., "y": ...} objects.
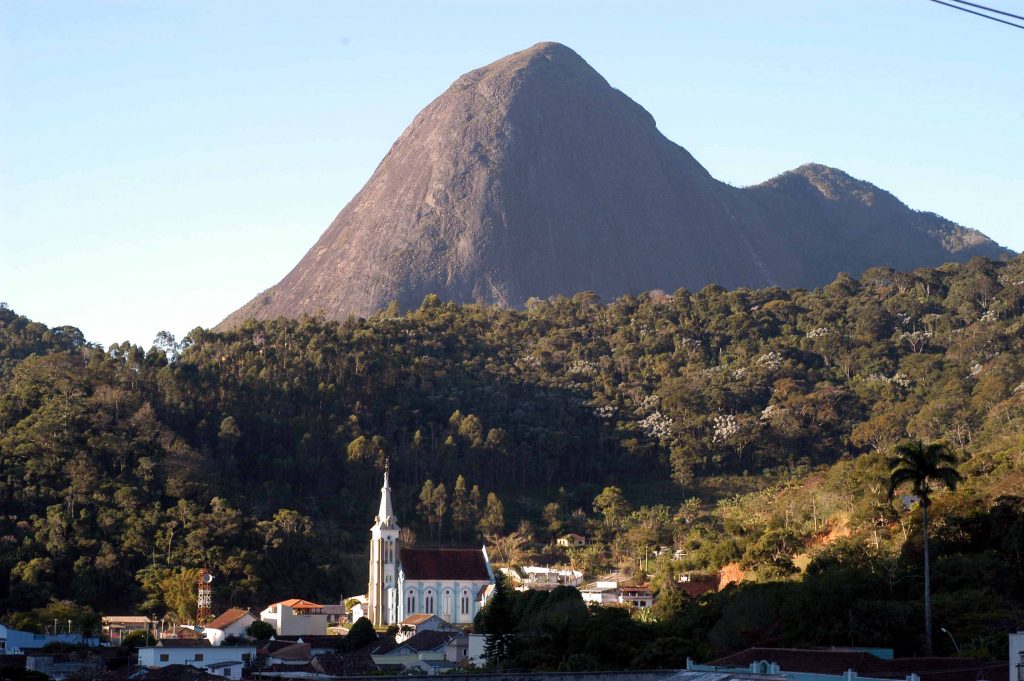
[
  {"x": 443, "y": 564},
  {"x": 227, "y": 618},
  {"x": 299, "y": 604}
]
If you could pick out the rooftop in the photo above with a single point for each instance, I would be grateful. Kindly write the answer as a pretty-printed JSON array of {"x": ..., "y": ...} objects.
[
  {"x": 227, "y": 618},
  {"x": 461, "y": 564},
  {"x": 826, "y": 661},
  {"x": 298, "y": 604}
]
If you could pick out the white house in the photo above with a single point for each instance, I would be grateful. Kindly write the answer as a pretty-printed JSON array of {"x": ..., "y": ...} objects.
[
  {"x": 571, "y": 540},
  {"x": 602, "y": 595},
  {"x": 232, "y": 622},
  {"x": 198, "y": 653},
  {"x": 296, "y": 617},
  {"x": 638, "y": 596}
]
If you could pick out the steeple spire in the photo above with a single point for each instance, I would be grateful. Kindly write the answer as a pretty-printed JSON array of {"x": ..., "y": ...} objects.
[{"x": 386, "y": 514}]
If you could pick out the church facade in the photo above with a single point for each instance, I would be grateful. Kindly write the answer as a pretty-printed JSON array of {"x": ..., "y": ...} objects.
[{"x": 450, "y": 583}]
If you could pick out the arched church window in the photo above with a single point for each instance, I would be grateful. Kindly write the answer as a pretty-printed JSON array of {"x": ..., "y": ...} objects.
[
  {"x": 428, "y": 601},
  {"x": 446, "y": 602},
  {"x": 465, "y": 601},
  {"x": 410, "y": 602}
]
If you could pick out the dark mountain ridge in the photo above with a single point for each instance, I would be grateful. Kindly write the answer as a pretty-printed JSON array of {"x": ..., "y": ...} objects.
[{"x": 534, "y": 177}]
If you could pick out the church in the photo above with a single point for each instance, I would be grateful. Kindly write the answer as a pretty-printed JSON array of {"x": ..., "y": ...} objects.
[{"x": 450, "y": 583}]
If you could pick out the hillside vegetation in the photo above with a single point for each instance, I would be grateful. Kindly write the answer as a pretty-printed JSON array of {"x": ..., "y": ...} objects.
[{"x": 745, "y": 427}]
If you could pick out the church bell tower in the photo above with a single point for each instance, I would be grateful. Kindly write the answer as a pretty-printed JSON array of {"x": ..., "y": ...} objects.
[{"x": 382, "y": 591}]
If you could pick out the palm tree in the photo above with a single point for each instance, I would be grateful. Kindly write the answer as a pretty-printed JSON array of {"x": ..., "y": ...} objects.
[{"x": 922, "y": 467}]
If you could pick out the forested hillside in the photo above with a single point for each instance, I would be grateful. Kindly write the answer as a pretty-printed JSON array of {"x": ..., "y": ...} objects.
[{"x": 747, "y": 427}]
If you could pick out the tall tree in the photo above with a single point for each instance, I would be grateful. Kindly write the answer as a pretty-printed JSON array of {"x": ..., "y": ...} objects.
[
  {"x": 924, "y": 468},
  {"x": 493, "y": 520}
]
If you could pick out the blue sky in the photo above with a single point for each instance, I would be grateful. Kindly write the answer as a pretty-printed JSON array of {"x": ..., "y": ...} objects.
[{"x": 162, "y": 162}]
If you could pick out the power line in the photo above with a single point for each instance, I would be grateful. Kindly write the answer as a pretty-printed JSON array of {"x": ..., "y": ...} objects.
[
  {"x": 985, "y": 16},
  {"x": 989, "y": 9}
]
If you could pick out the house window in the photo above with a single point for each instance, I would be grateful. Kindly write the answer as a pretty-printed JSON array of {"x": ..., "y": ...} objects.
[
  {"x": 199, "y": 657},
  {"x": 273, "y": 609},
  {"x": 164, "y": 657},
  {"x": 428, "y": 601},
  {"x": 465, "y": 602}
]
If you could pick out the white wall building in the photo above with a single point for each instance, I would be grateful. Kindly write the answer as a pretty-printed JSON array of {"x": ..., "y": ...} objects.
[
  {"x": 296, "y": 617},
  {"x": 205, "y": 656},
  {"x": 233, "y": 622}
]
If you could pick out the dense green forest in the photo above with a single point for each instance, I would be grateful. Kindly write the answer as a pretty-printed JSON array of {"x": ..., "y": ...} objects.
[{"x": 747, "y": 428}]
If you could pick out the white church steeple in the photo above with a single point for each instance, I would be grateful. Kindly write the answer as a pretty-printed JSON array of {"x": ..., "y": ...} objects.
[
  {"x": 382, "y": 591},
  {"x": 385, "y": 514}
]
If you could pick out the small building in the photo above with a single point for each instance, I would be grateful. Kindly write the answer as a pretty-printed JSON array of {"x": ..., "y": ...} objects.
[
  {"x": 335, "y": 614},
  {"x": 358, "y": 608},
  {"x": 637, "y": 596},
  {"x": 232, "y": 622},
  {"x": 427, "y": 651},
  {"x": 540, "y": 578},
  {"x": 229, "y": 669},
  {"x": 571, "y": 540},
  {"x": 116, "y": 627},
  {"x": 283, "y": 654},
  {"x": 15, "y": 641},
  {"x": 174, "y": 672},
  {"x": 197, "y": 653},
  {"x": 601, "y": 595},
  {"x": 356, "y": 663},
  {"x": 61, "y": 666},
  {"x": 415, "y": 624},
  {"x": 295, "y": 617}
]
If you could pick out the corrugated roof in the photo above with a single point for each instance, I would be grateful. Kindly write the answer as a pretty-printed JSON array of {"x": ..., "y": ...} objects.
[{"x": 444, "y": 564}]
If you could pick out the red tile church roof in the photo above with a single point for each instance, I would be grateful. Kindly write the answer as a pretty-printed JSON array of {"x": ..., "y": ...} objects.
[{"x": 444, "y": 564}]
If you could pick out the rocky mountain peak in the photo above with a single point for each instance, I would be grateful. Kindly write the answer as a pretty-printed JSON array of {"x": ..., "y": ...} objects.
[{"x": 532, "y": 176}]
